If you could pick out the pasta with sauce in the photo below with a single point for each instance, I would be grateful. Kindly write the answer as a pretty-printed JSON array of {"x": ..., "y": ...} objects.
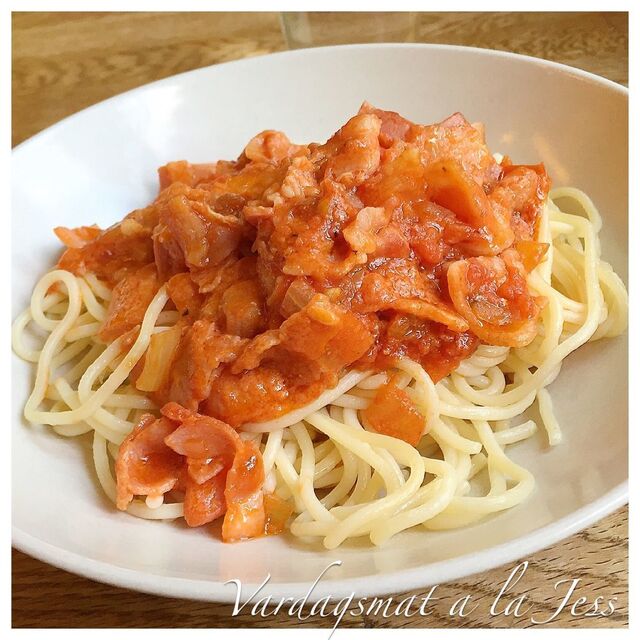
[{"x": 333, "y": 339}]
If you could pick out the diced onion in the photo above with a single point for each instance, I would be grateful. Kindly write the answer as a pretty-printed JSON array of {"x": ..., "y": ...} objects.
[{"x": 158, "y": 359}]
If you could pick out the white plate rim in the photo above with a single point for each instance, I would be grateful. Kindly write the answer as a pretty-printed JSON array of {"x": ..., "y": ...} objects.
[
  {"x": 364, "y": 586},
  {"x": 581, "y": 73}
]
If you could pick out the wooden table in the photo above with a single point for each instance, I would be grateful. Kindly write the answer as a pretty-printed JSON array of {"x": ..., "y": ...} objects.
[{"x": 67, "y": 61}]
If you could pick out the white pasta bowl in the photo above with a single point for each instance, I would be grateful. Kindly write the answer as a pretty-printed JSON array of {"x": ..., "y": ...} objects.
[{"x": 101, "y": 163}]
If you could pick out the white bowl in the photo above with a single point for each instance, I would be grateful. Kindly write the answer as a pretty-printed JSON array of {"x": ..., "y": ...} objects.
[{"x": 101, "y": 163}]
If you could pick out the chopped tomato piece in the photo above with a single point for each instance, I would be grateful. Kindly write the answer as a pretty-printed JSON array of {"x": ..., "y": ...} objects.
[
  {"x": 531, "y": 253},
  {"x": 392, "y": 413},
  {"x": 449, "y": 186},
  {"x": 277, "y": 512}
]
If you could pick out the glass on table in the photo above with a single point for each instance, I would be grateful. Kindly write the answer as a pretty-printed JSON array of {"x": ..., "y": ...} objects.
[{"x": 318, "y": 28}]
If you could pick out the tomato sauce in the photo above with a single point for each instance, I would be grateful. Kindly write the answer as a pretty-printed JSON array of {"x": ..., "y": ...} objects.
[{"x": 295, "y": 263}]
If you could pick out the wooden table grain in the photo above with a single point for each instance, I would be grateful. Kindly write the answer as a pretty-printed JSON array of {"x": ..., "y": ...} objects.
[{"x": 63, "y": 62}]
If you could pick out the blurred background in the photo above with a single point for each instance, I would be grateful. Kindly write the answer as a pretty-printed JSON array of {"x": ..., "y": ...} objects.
[{"x": 63, "y": 62}]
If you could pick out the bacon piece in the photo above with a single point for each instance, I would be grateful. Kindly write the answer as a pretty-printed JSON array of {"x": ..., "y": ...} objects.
[
  {"x": 203, "y": 236},
  {"x": 401, "y": 286},
  {"x": 120, "y": 249},
  {"x": 242, "y": 305},
  {"x": 520, "y": 196},
  {"x": 245, "y": 304},
  {"x": 354, "y": 151},
  {"x": 201, "y": 351},
  {"x": 215, "y": 279},
  {"x": 298, "y": 184},
  {"x": 492, "y": 295},
  {"x": 264, "y": 392},
  {"x": 129, "y": 301},
  {"x": 392, "y": 413},
  {"x": 184, "y": 293},
  {"x": 209, "y": 446},
  {"x": 435, "y": 233},
  {"x": 254, "y": 213},
  {"x": 202, "y": 437},
  {"x": 204, "y": 502},
  {"x": 253, "y": 353},
  {"x": 391, "y": 243},
  {"x": 315, "y": 345},
  {"x": 325, "y": 334},
  {"x": 303, "y": 235},
  {"x": 270, "y": 146},
  {"x": 456, "y": 139},
  {"x": 186, "y": 173},
  {"x": 78, "y": 237},
  {"x": 251, "y": 182},
  {"x": 202, "y": 470},
  {"x": 245, "y": 516},
  {"x": 393, "y": 125},
  {"x": 176, "y": 412},
  {"x": 167, "y": 253},
  {"x": 361, "y": 232},
  {"x": 436, "y": 311},
  {"x": 145, "y": 464}
]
